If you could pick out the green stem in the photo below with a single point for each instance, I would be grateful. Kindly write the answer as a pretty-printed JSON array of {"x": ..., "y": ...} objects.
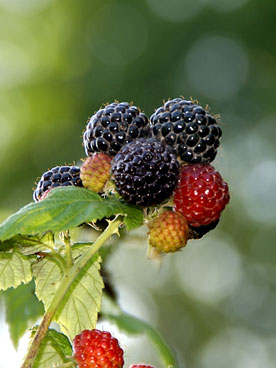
[
  {"x": 54, "y": 254},
  {"x": 65, "y": 284},
  {"x": 68, "y": 250}
]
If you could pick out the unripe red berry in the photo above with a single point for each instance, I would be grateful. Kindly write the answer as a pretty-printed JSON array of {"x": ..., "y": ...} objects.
[
  {"x": 95, "y": 171},
  {"x": 201, "y": 194},
  {"x": 168, "y": 232},
  {"x": 97, "y": 349}
]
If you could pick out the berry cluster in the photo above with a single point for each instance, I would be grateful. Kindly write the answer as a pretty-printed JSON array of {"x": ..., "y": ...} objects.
[{"x": 163, "y": 162}]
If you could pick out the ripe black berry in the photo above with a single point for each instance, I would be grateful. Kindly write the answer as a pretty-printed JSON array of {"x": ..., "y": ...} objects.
[
  {"x": 59, "y": 176},
  {"x": 145, "y": 172},
  {"x": 114, "y": 126},
  {"x": 188, "y": 128},
  {"x": 197, "y": 232}
]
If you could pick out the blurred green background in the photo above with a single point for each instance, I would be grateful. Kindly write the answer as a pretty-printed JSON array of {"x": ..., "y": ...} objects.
[{"x": 215, "y": 302}]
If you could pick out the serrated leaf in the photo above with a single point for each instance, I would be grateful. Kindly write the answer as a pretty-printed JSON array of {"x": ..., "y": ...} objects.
[
  {"x": 22, "y": 309},
  {"x": 53, "y": 351},
  {"x": 80, "y": 307},
  {"x": 133, "y": 326},
  {"x": 47, "y": 273},
  {"x": 64, "y": 208},
  {"x": 82, "y": 302},
  {"x": 15, "y": 269}
]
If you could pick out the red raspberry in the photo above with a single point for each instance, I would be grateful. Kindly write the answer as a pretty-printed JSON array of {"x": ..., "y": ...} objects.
[
  {"x": 201, "y": 194},
  {"x": 141, "y": 366},
  {"x": 97, "y": 349},
  {"x": 168, "y": 232},
  {"x": 95, "y": 171}
]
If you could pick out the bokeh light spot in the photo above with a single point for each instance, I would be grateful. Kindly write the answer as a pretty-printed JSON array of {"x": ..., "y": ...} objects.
[
  {"x": 258, "y": 192},
  {"x": 124, "y": 43},
  {"x": 15, "y": 66},
  {"x": 225, "y": 5},
  {"x": 248, "y": 301},
  {"x": 217, "y": 67},
  {"x": 234, "y": 348},
  {"x": 263, "y": 245},
  {"x": 26, "y": 7},
  {"x": 6, "y": 130},
  {"x": 209, "y": 270},
  {"x": 175, "y": 10}
]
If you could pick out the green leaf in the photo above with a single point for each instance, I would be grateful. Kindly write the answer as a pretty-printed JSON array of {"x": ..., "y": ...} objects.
[
  {"x": 7, "y": 245},
  {"x": 53, "y": 351},
  {"x": 22, "y": 309},
  {"x": 25, "y": 244},
  {"x": 82, "y": 302},
  {"x": 47, "y": 273},
  {"x": 134, "y": 218},
  {"x": 64, "y": 208},
  {"x": 28, "y": 244},
  {"x": 135, "y": 326},
  {"x": 14, "y": 270}
]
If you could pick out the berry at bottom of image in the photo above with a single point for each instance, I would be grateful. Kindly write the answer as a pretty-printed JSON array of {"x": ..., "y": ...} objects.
[
  {"x": 145, "y": 172},
  {"x": 168, "y": 232},
  {"x": 97, "y": 349},
  {"x": 201, "y": 194},
  {"x": 95, "y": 171},
  {"x": 59, "y": 176}
]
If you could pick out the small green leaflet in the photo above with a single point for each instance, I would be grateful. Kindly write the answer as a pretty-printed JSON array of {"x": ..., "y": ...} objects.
[
  {"x": 14, "y": 270},
  {"x": 65, "y": 208},
  {"x": 82, "y": 302},
  {"x": 134, "y": 326},
  {"x": 22, "y": 309},
  {"x": 54, "y": 350}
]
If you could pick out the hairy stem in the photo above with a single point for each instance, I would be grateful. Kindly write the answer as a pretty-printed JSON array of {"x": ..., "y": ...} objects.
[{"x": 65, "y": 284}]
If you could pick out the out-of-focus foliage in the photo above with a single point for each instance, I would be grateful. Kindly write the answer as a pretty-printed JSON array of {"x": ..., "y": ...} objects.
[{"x": 60, "y": 60}]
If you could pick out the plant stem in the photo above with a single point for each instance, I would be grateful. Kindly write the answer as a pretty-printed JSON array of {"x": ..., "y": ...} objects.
[
  {"x": 65, "y": 283},
  {"x": 68, "y": 250}
]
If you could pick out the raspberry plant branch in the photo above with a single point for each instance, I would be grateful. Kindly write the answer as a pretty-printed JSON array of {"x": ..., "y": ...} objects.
[
  {"x": 65, "y": 283},
  {"x": 161, "y": 165}
]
